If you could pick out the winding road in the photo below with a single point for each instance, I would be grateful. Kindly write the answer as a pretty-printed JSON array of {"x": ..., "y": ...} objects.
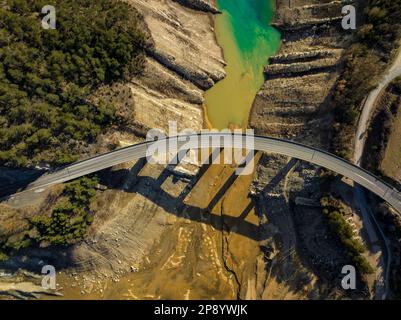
[
  {"x": 369, "y": 105},
  {"x": 372, "y": 226}
]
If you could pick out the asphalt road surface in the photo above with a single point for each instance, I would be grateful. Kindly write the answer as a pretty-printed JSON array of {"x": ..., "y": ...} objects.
[{"x": 224, "y": 140}]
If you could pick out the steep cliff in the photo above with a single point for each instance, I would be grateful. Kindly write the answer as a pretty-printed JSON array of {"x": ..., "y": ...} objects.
[{"x": 183, "y": 62}]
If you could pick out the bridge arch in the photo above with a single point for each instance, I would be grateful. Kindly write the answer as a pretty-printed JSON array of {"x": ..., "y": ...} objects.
[{"x": 217, "y": 140}]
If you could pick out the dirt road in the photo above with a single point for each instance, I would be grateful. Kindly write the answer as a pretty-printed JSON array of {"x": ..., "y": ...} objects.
[
  {"x": 373, "y": 228},
  {"x": 393, "y": 72}
]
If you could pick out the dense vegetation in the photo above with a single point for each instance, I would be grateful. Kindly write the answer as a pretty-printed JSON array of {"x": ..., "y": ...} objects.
[
  {"x": 70, "y": 219},
  {"x": 46, "y": 75},
  {"x": 365, "y": 60},
  {"x": 334, "y": 212},
  {"x": 65, "y": 224}
]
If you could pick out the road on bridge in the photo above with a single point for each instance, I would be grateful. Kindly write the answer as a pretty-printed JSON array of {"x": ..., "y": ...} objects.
[{"x": 219, "y": 140}]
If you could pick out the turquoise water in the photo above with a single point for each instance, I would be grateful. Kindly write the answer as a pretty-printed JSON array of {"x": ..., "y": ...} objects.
[{"x": 247, "y": 39}]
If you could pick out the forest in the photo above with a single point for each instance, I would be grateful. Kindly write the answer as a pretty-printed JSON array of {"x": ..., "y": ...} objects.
[{"x": 47, "y": 75}]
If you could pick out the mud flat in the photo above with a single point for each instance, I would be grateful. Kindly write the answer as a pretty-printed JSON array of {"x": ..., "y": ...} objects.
[{"x": 182, "y": 62}]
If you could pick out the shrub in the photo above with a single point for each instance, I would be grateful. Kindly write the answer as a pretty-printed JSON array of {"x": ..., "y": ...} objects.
[
  {"x": 333, "y": 210},
  {"x": 3, "y": 257},
  {"x": 70, "y": 219}
]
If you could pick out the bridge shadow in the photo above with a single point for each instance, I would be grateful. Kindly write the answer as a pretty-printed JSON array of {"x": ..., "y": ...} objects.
[
  {"x": 280, "y": 176},
  {"x": 211, "y": 159},
  {"x": 152, "y": 189}
]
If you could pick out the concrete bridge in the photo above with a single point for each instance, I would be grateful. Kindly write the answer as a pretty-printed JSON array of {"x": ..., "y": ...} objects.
[{"x": 219, "y": 140}]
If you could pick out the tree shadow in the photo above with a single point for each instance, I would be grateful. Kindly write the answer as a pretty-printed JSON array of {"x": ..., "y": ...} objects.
[{"x": 14, "y": 180}]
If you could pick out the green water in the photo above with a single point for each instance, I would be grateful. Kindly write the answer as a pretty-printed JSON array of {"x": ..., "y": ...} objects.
[{"x": 247, "y": 39}]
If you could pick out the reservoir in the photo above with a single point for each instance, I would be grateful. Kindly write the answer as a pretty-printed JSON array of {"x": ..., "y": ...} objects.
[{"x": 247, "y": 39}]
